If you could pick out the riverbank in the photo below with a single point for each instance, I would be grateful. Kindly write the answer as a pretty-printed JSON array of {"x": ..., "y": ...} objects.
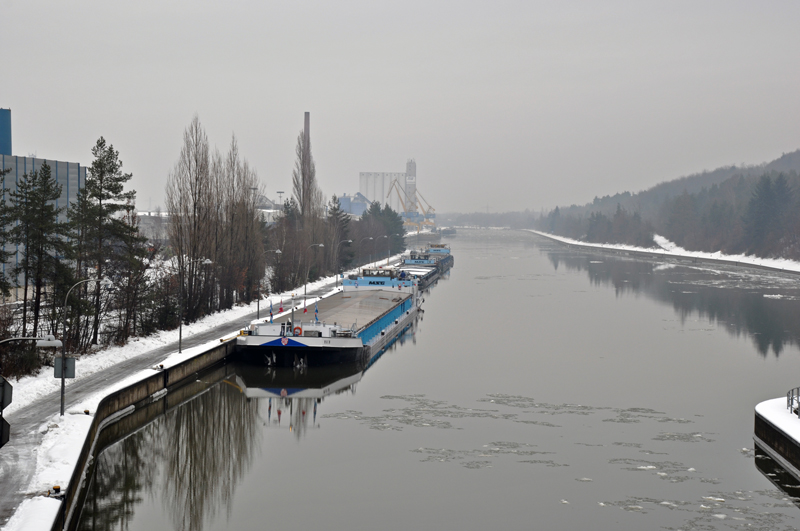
[
  {"x": 669, "y": 250},
  {"x": 57, "y": 447}
]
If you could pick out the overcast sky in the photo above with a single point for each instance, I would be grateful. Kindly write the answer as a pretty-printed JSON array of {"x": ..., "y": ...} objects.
[{"x": 504, "y": 105}]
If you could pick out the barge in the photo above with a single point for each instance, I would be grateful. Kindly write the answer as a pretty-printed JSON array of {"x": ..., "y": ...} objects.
[
  {"x": 777, "y": 430},
  {"x": 428, "y": 264},
  {"x": 372, "y": 308}
]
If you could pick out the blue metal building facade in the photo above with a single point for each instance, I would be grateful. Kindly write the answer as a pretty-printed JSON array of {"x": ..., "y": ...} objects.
[
  {"x": 70, "y": 175},
  {"x": 5, "y": 131}
]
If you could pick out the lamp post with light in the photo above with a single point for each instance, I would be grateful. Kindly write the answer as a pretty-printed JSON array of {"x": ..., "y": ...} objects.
[
  {"x": 387, "y": 247},
  {"x": 103, "y": 282},
  {"x": 362, "y": 241},
  {"x": 337, "y": 260}
]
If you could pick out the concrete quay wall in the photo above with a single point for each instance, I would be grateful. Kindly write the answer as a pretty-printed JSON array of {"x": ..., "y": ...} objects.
[{"x": 124, "y": 402}]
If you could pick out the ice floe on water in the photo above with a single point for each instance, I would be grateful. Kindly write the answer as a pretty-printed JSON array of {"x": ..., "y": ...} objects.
[{"x": 649, "y": 456}]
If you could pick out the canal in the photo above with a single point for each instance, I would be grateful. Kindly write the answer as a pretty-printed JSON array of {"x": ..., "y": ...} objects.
[{"x": 543, "y": 388}]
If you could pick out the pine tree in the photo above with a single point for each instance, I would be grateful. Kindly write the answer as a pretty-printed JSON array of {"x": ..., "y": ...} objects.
[
  {"x": 41, "y": 235},
  {"x": 393, "y": 225},
  {"x": 339, "y": 227},
  {"x": 97, "y": 219},
  {"x": 759, "y": 216},
  {"x": 6, "y": 221}
]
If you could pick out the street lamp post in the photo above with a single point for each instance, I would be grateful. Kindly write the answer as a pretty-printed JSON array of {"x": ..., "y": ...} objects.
[
  {"x": 362, "y": 240},
  {"x": 337, "y": 261},
  {"x": 388, "y": 243},
  {"x": 258, "y": 299},
  {"x": 204, "y": 261},
  {"x": 41, "y": 342},
  {"x": 305, "y": 284},
  {"x": 376, "y": 243},
  {"x": 103, "y": 282}
]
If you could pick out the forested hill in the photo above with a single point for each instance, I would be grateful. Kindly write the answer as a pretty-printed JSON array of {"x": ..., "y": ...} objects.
[
  {"x": 752, "y": 210},
  {"x": 649, "y": 202}
]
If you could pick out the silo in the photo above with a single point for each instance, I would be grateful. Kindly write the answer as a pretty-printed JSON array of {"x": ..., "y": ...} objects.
[
  {"x": 5, "y": 132},
  {"x": 411, "y": 185}
]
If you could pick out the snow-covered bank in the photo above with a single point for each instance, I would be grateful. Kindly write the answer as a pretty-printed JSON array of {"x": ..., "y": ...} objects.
[
  {"x": 668, "y": 248},
  {"x": 63, "y": 437},
  {"x": 30, "y": 388}
]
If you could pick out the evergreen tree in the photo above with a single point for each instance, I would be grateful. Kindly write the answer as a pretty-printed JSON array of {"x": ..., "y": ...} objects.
[
  {"x": 378, "y": 222},
  {"x": 40, "y": 234},
  {"x": 759, "y": 217},
  {"x": 6, "y": 222},
  {"x": 339, "y": 227},
  {"x": 393, "y": 225},
  {"x": 99, "y": 219},
  {"x": 129, "y": 268}
]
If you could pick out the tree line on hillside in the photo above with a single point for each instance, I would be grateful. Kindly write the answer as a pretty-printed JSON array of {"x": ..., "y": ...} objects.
[
  {"x": 218, "y": 250},
  {"x": 744, "y": 214}
]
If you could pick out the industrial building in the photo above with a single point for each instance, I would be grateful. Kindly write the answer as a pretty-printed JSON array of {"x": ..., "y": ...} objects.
[
  {"x": 376, "y": 186},
  {"x": 380, "y": 186},
  {"x": 355, "y": 205},
  {"x": 399, "y": 191},
  {"x": 70, "y": 175}
]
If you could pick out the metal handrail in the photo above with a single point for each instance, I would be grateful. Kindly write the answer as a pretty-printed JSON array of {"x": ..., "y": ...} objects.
[{"x": 793, "y": 400}]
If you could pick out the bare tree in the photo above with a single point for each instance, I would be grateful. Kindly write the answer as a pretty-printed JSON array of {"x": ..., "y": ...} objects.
[{"x": 189, "y": 202}]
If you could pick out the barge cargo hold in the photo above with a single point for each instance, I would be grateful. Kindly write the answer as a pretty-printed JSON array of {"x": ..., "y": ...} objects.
[{"x": 351, "y": 325}]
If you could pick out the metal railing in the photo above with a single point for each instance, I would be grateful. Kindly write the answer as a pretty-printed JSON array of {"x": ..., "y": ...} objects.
[{"x": 793, "y": 401}]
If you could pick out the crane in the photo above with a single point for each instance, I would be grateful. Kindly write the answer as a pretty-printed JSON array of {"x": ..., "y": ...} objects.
[
  {"x": 408, "y": 214},
  {"x": 430, "y": 212}
]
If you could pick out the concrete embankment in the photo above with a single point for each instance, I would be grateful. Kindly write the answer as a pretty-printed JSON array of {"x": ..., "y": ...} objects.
[
  {"x": 662, "y": 255},
  {"x": 126, "y": 401}
]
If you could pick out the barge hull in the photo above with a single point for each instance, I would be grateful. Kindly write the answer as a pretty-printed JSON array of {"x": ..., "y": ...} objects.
[{"x": 294, "y": 356}]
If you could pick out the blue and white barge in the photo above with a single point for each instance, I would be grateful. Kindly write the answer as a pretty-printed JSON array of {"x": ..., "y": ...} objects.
[
  {"x": 428, "y": 264},
  {"x": 372, "y": 308}
]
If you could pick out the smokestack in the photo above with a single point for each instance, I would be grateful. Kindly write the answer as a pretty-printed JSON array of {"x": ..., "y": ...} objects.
[{"x": 5, "y": 132}]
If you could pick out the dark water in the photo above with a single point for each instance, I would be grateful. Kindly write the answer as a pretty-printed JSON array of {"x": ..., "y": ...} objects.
[{"x": 543, "y": 389}]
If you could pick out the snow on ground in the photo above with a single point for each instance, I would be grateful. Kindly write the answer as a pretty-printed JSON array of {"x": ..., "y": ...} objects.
[
  {"x": 64, "y": 437},
  {"x": 668, "y": 248},
  {"x": 30, "y": 388},
  {"x": 34, "y": 513}
]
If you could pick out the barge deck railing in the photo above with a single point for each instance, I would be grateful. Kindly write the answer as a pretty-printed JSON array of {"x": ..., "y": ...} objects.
[{"x": 793, "y": 401}]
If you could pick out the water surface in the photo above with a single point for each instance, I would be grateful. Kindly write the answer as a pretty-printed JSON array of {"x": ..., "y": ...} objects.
[{"x": 543, "y": 389}]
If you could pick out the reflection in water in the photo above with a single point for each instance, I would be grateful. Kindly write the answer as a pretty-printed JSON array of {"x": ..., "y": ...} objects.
[
  {"x": 115, "y": 493},
  {"x": 191, "y": 449},
  {"x": 745, "y": 301},
  {"x": 291, "y": 396},
  {"x": 205, "y": 442},
  {"x": 777, "y": 475}
]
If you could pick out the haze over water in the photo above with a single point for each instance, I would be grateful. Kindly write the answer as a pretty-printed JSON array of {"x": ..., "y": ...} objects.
[{"x": 543, "y": 389}]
